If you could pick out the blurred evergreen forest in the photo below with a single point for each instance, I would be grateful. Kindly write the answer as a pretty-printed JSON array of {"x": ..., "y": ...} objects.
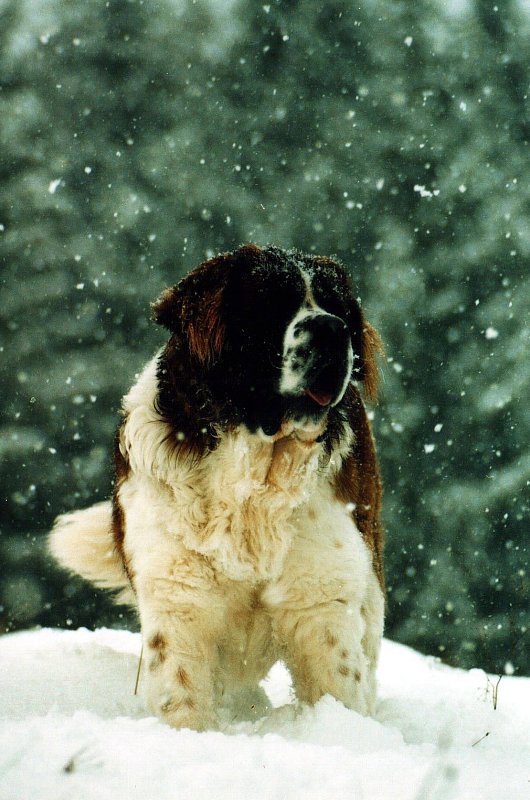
[{"x": 138, "y": 137}]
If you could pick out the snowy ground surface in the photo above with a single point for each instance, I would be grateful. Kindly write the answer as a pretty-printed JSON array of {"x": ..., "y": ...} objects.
[{"x": 72, "y": 729}]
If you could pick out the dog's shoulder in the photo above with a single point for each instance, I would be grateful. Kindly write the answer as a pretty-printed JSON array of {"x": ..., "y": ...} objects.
[
  {"x": 147, "y": 441},
  {"x": 358, "y": 480}
]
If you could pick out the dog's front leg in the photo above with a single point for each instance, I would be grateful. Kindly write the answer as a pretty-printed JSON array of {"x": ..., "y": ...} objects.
[
  {"x": 180, "y": 626},
  {"x": 324, "y": 652},
  {"x": 327, "y": 610}
]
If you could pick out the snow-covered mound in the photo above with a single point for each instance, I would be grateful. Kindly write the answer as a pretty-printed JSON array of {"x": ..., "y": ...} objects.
[{"x": 72, "y": 729}]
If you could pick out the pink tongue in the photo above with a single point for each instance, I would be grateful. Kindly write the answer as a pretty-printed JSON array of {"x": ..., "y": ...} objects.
[{"x": 321, "y": 399}]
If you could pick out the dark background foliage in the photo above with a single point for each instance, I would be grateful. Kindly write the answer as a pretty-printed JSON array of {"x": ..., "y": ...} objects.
[{"x": 138, "y": 138}]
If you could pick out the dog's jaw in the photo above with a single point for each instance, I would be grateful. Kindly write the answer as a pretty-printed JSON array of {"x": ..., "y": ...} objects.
[{"x": 304, "y": 429}]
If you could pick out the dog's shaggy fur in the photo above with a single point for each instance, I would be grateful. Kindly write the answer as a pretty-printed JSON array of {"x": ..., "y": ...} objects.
[{"x": 245, "y": 517}]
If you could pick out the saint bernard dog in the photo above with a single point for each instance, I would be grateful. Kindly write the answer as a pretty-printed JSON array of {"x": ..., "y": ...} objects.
[{"x": 245, "y": 518}]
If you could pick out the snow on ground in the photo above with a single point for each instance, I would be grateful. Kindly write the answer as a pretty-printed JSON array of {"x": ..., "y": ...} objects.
[{"x": 72, "y": 729}]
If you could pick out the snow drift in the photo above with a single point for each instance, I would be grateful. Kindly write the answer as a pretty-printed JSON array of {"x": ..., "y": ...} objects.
[{"x": 71, "y": 728}]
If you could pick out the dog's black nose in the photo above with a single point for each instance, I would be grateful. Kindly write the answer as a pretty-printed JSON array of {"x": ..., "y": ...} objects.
[{"x": 328, "y": 333}]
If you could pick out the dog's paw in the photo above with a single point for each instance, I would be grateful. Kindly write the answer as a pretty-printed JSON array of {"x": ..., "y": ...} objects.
[
  {"x": 178, "y": 692},
  {"x": 183, "y": 711}
]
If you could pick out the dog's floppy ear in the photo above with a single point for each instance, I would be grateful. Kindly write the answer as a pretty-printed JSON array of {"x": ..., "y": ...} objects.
[
  {"x": 193, "y": 309},
  {"x": 371, "y": 346}
]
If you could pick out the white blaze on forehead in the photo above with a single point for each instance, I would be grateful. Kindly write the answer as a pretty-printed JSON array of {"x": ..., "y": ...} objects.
[
  {"x": 292, "y": 371},
  {"x": 309, "y": 299}
]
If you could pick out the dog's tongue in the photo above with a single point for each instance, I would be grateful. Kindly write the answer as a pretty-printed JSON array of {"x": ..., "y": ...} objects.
[{"x": 319, "y": 397}]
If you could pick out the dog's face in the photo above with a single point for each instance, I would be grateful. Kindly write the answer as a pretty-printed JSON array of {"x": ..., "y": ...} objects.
[{"x": 274, "y": 336}]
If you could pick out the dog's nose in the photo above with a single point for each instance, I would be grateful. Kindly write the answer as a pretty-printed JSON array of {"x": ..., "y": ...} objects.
[
  {"x": 327, "y": 325},
  {"x": 328, "y": 333}
]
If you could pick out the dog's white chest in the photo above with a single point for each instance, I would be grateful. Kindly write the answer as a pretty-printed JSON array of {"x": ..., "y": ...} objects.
[{"x": 247, "y": 491}]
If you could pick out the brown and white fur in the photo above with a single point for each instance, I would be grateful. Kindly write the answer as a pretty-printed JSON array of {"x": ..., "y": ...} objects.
[{"x": 244, "y": 547}]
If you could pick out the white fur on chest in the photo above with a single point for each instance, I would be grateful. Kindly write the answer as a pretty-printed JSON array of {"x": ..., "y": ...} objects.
[
  {"x": 229, "y": 507},
  {"x": 240, "y": 506}
]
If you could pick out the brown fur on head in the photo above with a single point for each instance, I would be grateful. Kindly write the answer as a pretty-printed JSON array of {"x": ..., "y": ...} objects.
[{"x": 192, "y": 309}]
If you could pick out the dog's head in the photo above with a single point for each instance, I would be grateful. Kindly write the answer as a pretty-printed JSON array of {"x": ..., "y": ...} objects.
[{"x": 264, "y": 337}]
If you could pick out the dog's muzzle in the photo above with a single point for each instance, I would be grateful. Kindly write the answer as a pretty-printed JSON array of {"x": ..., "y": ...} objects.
[{"x": 318, "y": 359}]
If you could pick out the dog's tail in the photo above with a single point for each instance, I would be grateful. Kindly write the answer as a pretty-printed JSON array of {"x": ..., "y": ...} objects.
[{"x": 83, "y": 542}]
